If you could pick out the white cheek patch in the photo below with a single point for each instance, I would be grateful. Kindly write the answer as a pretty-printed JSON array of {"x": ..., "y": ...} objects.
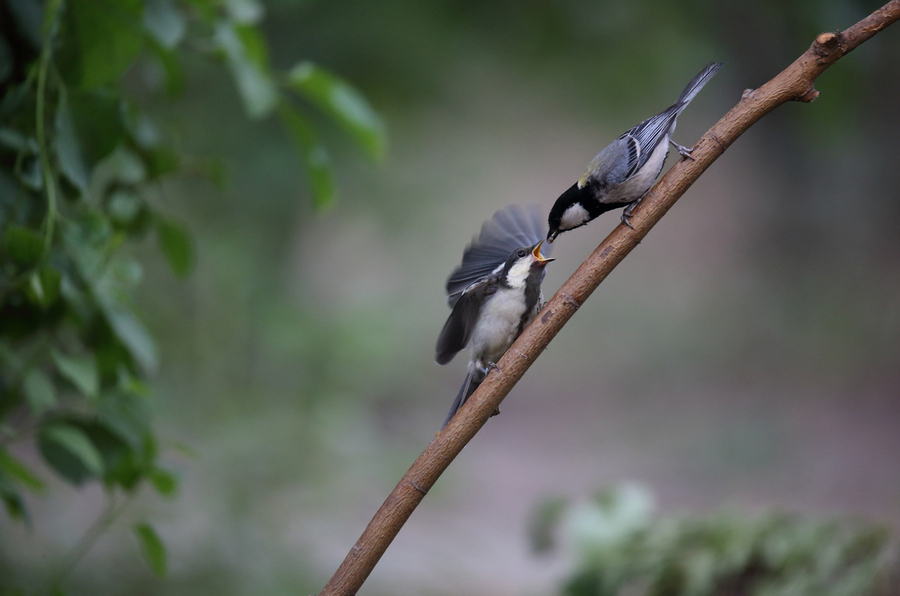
[
  {"x": 518, "y": 273},
  {"x": 574, "y": 216}
]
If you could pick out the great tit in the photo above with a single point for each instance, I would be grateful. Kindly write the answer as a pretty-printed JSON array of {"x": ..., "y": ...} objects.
[
  {"x": 495, "y": 293},
  {"x": 622, "y": 173}
]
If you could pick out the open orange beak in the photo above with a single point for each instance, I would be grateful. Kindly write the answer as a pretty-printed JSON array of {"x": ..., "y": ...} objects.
[{"x": 536, "y": 253}]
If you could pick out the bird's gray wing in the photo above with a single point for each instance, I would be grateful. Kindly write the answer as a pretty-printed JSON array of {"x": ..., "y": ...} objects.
[
  {"x": 644, "y": 137},
  {"x": 512, "y": 227},
  {"x": 614, "y": 164},
  {"x": 458, "y": 329},
  {"x": 652, "y": 131}
]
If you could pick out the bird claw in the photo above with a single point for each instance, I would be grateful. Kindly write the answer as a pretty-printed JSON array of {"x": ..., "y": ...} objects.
[
  {"x": 492, "y": 366},
  {"x": 626, "y": 214},
  {"x": 682, "y": 150}
]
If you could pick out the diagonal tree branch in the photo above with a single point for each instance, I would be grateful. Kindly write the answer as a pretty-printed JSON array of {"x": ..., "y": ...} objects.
[{"x": 795, "y": 83}]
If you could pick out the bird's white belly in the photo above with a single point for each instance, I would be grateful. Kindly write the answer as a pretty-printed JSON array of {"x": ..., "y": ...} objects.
[
  {"x": 498, "y": 325},
  {"x": 638, "y": 185}
]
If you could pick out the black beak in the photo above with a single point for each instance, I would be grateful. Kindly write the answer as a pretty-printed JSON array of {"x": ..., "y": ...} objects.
[{"x": 551, "y": 236}]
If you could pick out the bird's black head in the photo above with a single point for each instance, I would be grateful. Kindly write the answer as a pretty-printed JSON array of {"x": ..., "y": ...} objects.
[
  {"x": 568, "y": 212},
  {"x": 524, "y": 263}
]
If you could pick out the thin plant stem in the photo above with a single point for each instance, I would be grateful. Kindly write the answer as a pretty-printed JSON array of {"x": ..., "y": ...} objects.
[
  {"x": 49, "y": 26},
  {"x": 110, "y": 513}
]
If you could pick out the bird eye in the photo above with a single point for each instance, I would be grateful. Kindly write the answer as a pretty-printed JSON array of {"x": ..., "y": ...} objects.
[{"x": 521, "y": 253}]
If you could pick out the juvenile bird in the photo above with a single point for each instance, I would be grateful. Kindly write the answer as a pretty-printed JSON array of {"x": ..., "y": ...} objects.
[
  {"x": 495, "y": 293},
  {"x": 622, "y": 173}
]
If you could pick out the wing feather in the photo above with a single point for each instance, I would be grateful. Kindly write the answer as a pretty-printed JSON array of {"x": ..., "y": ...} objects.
[
  {"x": 458, "y": 329},
  {"x": 652, "y": 131},
  {"x": 510, "y": 228}
]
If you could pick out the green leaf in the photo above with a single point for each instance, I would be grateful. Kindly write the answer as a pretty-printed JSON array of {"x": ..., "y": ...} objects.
[
  {"x": 16, "y": 142},
  {"x": 68, "y": 151},
  {"x": 97, "y": 121},
  {"x": 39, "y": 392},
  {"x": 12, "y": 500},
  {"x": 81, "y": 371},
  {"x": 103, "y": 37},
  {"x": 164, "y": 482},
  {"x": 85, "y": 242},
  {"x": 245, "y": 54},
  {"x": 43, "y": 286},
  {"x": 132, "y": 333},
  {"x": 122, "y": 464},
  {"x": 343, "y": 102},
  {"x": 164, "y": 21},
  {"x": 50, "y": 283},
  {"x": 168, "y": 59},
  {"x": 254, "y": 46},
  {"x": 19, "y": 471},
  {"x": 315, "y": 156},
  {"x": 122, "y": 165},
  {"x": 69, "y": 451},
  {"x": 125, "y": 415},
  {"x": 152, "y": 548},
  {"x": 160, "y": 161},
  {"x": 176, "y": 244},
  {"x": 23, "y": 244}
]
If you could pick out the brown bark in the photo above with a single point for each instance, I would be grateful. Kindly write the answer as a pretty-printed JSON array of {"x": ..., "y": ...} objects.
[{"x": 795, "y": 83}]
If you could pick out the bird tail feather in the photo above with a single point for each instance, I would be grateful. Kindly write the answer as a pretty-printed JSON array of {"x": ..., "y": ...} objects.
[
  {"x": 473, "y": 380},
  {"x": 697, "y": 83}
]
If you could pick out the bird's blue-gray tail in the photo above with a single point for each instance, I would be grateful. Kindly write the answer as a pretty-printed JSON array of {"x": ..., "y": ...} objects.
[
  {"x": 696, "y": 84},
  {"x": 473, "y": 380}
]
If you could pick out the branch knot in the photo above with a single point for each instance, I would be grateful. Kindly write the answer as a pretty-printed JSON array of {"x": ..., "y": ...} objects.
[
  {"x": 809, "y": 95},
  {"x": 829, "y": 43}
]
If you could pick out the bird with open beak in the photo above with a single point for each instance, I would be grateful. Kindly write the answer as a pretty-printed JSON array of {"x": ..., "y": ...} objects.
[{"x": 495, "y": 293}]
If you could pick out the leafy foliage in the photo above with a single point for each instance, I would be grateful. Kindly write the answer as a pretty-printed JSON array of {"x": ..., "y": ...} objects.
[
  {"x": 80, "y": 162},
  {"x": 622, "y": 547},
  {"x": 152, "y": 547}
]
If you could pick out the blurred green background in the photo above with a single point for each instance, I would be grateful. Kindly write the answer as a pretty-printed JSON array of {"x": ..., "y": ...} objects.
[{"x": 744, "y": 356}]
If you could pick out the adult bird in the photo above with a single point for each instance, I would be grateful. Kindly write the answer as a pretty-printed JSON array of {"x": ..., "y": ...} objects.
[
  {"x": 495, "y": 293},
  {"x": 622, "y": 173}
]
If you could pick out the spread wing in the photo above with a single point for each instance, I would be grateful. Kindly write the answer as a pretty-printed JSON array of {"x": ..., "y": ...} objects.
[
  {"x": 458, "y": 329},
  {"x": 510, "y": 228}
]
